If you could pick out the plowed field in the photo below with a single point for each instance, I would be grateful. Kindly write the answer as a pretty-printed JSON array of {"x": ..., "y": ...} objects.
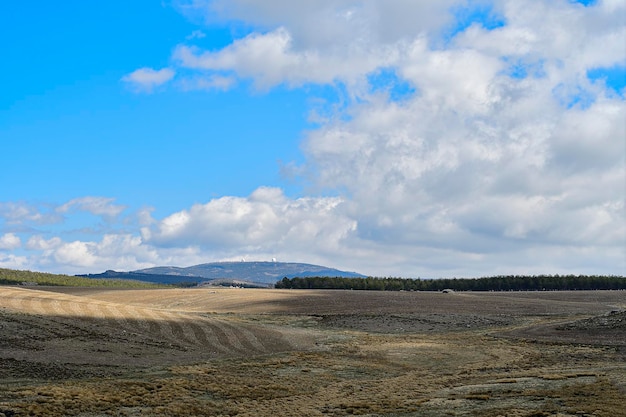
[{"x": 253, "y": 352}]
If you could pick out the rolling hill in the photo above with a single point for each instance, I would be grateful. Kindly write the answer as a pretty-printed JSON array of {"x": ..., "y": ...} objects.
[{"x": 260, "y": 273}]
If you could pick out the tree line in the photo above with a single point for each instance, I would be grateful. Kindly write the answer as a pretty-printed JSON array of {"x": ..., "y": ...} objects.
[
  {"x": 15, "y": 277},
  {"x": 495, "y": 283}
]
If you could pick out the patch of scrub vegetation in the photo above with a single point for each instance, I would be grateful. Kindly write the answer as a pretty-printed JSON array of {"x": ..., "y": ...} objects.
[{"x": 15, "y": 277}]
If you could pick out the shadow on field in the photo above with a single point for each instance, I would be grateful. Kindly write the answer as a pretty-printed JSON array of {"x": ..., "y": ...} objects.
[
  {"x": 126, "y": 342},
  {"x": 400, "y": 302}
]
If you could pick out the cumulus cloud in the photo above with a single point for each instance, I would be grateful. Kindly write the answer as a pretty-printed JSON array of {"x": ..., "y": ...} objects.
[
  {"x": 330, "y": 24},
  {"x": 505, "y": 145},
  {"x": 269, "y": 60},
  {"x": 147, "y": 79},
  {"x": 264, "y": 221},
  {"x": 12, "y": 261},
  {"x": 325, "y": 42},
  {"x": 76, "y": 254},
  {"x": 38, "y": 242},
  {"x": 10, "y": 241},
  {"x": 118, "y": 251}
]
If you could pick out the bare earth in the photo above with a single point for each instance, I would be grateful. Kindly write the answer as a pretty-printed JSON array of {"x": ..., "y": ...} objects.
[{"x": 253, "y": 352}]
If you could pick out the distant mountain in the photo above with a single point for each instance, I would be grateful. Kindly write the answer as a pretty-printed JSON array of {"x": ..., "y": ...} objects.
[{"x": 264, "y": 273}]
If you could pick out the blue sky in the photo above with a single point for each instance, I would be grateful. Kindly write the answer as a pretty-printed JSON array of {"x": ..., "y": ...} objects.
[
  {"x": 86, "y": 133},
  {"x": 462, "y": 138}
]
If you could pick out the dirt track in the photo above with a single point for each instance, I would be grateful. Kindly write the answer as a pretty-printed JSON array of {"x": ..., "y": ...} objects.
[{"x": 88, "y": 352}]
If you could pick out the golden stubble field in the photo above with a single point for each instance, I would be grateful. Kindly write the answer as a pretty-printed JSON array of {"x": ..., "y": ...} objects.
[{"x": 253, "y": 352}]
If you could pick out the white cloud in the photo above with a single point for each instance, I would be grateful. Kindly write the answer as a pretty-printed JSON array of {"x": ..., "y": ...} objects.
[
  {"x": 318, "y": 42},
  {"x": 144, "y": 216},
  {"x": 21, "y": 212},
  {"x": 326, "y": 41},
  {"x": 98, "y": 206},
  {"x": 76, "y": 254},
  {"x": 38, "y": 242},
  {"x": 146, "y": 79},
  {"x": 11, "y": 261},
  {"x": 121, "y": 252},
  {"x": 331, "y": 24},
  {"x": 505, "y": 147},
  {"x": 10, "y": 241},
  {"x": 482, "y": 178},
  {"x": 264, "y": 221},
  {"x": 269, "y": 59}
]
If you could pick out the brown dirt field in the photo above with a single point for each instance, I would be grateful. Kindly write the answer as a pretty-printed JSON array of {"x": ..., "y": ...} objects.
[{"x": 254, "y": 352}]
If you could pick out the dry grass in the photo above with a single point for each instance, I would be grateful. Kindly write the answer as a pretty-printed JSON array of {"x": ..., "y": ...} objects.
[{"x": 230, "y": 352}]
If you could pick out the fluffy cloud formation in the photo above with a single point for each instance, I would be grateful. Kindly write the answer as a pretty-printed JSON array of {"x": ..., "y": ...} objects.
[
  {"x": 38, "y": 242},
  {"x": 500, "y": 154},
  {"x": 321, "y": 42},
  {"x": 339, "y": 40},
  {"x": 115, "y": 250},
  {"x": 505, "y": 145},
  {"x": 10, "y": 241},
  {"x": 269, "y": 60},
  {"x": 266, "y": 221},
  {"x": 12, "y": 261}
]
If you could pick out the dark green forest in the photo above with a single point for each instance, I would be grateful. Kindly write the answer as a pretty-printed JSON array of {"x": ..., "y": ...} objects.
[{"x": 496, "y": 283}]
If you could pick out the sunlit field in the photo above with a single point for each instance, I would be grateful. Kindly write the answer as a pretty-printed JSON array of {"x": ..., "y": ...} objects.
[{"x": 253, "y": 352}]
